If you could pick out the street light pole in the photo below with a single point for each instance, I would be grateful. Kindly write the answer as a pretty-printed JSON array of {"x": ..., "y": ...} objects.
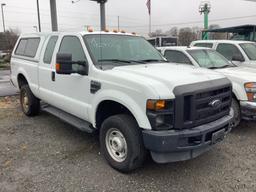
[
  {"x": 205, "y": 9},
  {"x": 102, "y": 13},
  {"x": 54, "y": 15},
  {"x": 2, "y": 8},
  {"x": 38, "y": 16},
  {"x": 35, "y": 27}
]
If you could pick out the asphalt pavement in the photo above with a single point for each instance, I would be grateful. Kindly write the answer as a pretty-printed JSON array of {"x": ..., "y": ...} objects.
[{"x": 6, "y": 88}]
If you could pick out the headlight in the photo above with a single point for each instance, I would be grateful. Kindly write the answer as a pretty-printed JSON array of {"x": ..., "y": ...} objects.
[
  {"x": 160, "y": 114},
  {"x": 250, "y": 89}
]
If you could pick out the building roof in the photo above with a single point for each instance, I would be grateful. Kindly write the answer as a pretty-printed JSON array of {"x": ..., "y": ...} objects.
[{"x": 235, "y": 29}]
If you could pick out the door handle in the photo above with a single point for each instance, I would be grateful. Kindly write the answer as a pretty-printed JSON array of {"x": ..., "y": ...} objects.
[{"x": 53, "y": 75}]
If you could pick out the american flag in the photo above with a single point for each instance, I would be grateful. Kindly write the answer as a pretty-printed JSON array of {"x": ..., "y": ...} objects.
[{"x": 149, "y": 6}]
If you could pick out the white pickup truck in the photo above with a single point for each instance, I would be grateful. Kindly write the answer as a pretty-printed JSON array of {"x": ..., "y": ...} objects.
[
  {"x": 243, "y": 78},
  {"x": 122, "y": 87},
  {"x": 242, "y": 53}
]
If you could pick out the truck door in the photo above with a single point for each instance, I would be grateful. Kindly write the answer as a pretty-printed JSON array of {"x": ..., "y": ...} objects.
[
  {"x": 70, "y": 92},
  {"x": 45, "y": 69}
]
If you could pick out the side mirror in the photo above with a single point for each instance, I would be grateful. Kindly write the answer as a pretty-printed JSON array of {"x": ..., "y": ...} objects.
[
  {"x": 65, "y": 65},
  {"x": 238, "y": 58}
]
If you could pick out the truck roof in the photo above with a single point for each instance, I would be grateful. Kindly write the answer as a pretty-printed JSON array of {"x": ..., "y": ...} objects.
[
  {"x": 222, "y": 41},
  {"x": 181, "y": 48},
  {"x": 43, "y": 34}
]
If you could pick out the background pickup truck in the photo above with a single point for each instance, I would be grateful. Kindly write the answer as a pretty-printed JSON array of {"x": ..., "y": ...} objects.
[
  {"x": 243, "y": 78},
  {"x": 119, "y": 85}
]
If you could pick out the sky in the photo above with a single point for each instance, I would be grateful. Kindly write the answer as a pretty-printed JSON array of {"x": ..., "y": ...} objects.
[{"x": 133, "y": 14}]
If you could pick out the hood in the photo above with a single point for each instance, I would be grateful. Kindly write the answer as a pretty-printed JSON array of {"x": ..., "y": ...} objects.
[
  {"x": 245, "y": 74},
  {"x": 167, "y": 74}
]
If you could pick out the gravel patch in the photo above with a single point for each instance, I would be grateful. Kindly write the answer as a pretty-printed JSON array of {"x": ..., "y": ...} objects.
[{"x": 46, "y": 154}]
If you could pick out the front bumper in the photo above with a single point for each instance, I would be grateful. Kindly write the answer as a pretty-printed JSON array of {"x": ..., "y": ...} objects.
[
  {"x": 248, "y": 110},
  {"x": 180, "y": 145}
]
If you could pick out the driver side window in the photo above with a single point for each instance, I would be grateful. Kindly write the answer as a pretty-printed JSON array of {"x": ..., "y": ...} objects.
[{"x": 72, "y": 45}]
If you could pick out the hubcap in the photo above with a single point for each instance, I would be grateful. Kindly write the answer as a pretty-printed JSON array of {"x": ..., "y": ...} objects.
[
  {"x": 116, "y": 145},
  {"x": 25, "y": 102}
]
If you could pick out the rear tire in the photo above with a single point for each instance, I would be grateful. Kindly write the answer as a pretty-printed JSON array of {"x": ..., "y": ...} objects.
[
  {"x": 121, "y": 143},
  {"x": 29, "y": 103},
  {"x": 237, "y": 113}
]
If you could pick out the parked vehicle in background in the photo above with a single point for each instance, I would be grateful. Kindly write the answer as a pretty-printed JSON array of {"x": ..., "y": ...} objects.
[
  {"x": 2, "y": 54},
  {"x": 243, "y": 78},
  {"x": 162, "y": 41},
  {"x": 121, "y": 86},
  {"x": 241, "y": 53}
]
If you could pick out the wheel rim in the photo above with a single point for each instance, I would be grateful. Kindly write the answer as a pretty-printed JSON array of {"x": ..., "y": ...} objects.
[
  {"x": 25, "y": 102},
  {"x": 116, "y": 145}
]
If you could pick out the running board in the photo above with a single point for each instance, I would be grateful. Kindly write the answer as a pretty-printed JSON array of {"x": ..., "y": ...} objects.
[{"x": 68, "y": 118}]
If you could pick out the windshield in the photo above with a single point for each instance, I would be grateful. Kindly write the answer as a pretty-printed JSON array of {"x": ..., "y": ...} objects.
[
  {"x": 209, "y": 59},
  {"x": 250, "y": 50},
  {"x": 121, "y": 50}
]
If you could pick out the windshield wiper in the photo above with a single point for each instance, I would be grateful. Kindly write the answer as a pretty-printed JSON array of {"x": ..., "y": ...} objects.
[
  {"x": 153, "y": 60},
  {"x": 221, "y": 67},
  {"x": 114, "y": 60}
]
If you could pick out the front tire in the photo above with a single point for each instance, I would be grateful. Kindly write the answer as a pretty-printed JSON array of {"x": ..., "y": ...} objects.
[
  {"x": 29, "y": 103},
  {"x": 121, "y": 143},
  {"x": 237, "y": 113}
]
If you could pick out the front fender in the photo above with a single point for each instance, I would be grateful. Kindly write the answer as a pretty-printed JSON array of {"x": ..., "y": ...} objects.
[
  {"x": 239, "y": 91},
  {"x": 113, "y": 95}
]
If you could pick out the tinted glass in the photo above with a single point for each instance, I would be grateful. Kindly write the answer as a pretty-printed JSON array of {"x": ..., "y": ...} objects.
[
  {"x": 72, "y": 45},
  {"x": 121, "y": 47},
  {"x": 49, "y": 49},
  {"x": 31, "y": 47},
  {"x": 28, "y": 47},
  {"x": 207, "y": 45},
  {"x": 176, "y": 57},
  {"x": 21, "y": 47},
  {"x": 228, "y": 51},
  {"x": 209, "y": 58},
  {"x": 250, "y": 50}
]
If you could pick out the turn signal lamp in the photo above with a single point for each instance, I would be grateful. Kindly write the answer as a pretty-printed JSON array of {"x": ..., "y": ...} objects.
[
  {"x": 156, "y": 105},
  {"x": 57, "y": 66},
  {"x": 250, "y": 89}
]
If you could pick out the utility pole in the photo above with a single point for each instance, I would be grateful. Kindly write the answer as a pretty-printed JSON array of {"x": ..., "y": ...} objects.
[
  {"x": 102, "y": 13},
  {"x": 54, "y": 15},
  {"x": 38, "y": 16},
  {"x": 118, "y": 23},
  {"x": 205, "y": 8},
  {"x": 2, "y": 8}
]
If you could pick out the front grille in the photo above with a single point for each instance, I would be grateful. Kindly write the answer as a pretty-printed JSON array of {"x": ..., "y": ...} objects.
[
  {"x": 193, "y": 103},
  {"x": 206, "y": 113}
]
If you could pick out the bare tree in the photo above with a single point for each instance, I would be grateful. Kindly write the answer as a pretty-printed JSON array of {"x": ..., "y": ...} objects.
[
  {"x": 157, "y": 33},
  {"x": 8, "y": 39},
  {"x": 173, "y": 32},
  {"x": 186, "y": 36}
]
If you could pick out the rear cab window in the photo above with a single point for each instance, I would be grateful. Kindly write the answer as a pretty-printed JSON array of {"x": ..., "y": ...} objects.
[
  {"x": 207, "y": 45},
  {"x": 27, "y": 47},
  {"x": 176, "y": 57},
  {"x": 50, "y": 49},
  {"x": 228, "y": 50}
]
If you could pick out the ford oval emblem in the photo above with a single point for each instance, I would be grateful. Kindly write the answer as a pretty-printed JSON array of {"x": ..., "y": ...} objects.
[{"x": 216, "y": 104}]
